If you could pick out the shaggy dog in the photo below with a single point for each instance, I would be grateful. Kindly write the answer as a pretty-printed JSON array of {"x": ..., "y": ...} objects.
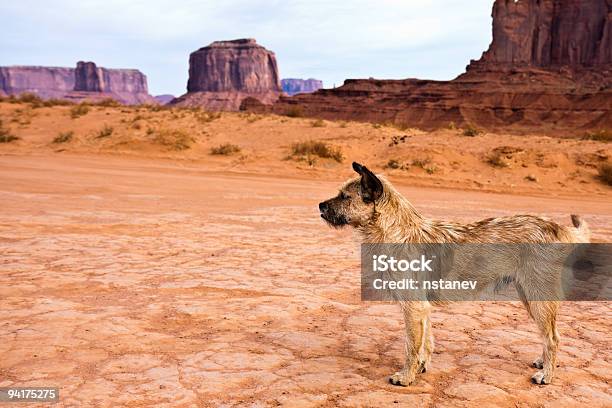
[{"x": 371, "y": 205}]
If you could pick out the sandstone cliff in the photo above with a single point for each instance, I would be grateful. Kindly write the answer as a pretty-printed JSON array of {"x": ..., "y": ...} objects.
[
  {"x": 548, "y": 68},
  {"x": 222, "y": 74},
  {"x": 293, "y": 86},
  {"x": 86, "y": 82}
]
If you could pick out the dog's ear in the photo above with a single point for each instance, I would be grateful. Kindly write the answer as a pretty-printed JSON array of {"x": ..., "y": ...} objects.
[{"x": 371, "y": 186}]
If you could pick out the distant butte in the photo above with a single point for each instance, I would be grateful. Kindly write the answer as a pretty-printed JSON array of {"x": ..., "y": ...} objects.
[
  {"x": 224, "y": 73},
  {"x": 85, "y": 82},
  {"x": 549, "y": 67}
]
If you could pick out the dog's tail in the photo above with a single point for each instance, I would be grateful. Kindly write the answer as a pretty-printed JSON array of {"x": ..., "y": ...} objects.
[{"x": 583, "y": 232}]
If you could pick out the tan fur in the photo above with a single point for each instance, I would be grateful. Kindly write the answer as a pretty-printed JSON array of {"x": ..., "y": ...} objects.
[{"x": 392, "y": 219}]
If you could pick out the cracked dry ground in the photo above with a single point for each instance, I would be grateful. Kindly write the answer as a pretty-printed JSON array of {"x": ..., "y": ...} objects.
[{"x": 127, "y": 282}]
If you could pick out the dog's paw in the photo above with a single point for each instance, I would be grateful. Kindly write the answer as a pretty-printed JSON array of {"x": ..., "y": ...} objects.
[
  {"x": 540, "y": 378},
  {"x": 422, "y": 367},
  {"x": 538, "y": 363},
  {"x": 400, "y": 378}
]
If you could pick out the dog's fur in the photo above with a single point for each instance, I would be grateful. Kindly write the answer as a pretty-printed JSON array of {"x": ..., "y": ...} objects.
[{"x": 371, "y": 205}]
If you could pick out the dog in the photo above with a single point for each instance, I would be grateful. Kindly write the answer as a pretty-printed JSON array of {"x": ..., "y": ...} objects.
[{"x": 380, "y": 214}]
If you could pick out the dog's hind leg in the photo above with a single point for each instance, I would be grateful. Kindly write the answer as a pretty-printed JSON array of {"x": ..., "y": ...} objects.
[
  {"x": 538, "y": 362},
  {"x": 415, "y": 318},
  {"x": 545, "y": 316},
  {"x": 427, "y": 345}
]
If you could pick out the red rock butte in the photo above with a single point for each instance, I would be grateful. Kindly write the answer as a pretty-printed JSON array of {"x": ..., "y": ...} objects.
[
  {"x": 548, "y": 68},
  {"x": 224, "y": 73},
  {"x": 85, "y": 82}
]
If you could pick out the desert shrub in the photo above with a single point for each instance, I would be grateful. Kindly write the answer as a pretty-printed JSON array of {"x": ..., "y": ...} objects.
[
  {"x": 173, "y": 138},
  {"x": 57, "y": 102},
  {"x": 471, "y": 130},
  {"x": 605, "y": 173},
  {"x": 106, "y": 131},
  {"x": 108, "y": 102},
  {"x": 253, "y": 118},
  {"x": 207, "y": 117},
  {"x": 425, "y": 164},
  {"x": 393, "y": 164},
  {"x": 5, "y": 135},
  {"x": 497, "y": 159},
  {"x": 31, "y": 98},
  {"x": 318, "y": 123},
  {"x": 79, "y": 110},
  {"x": 343, "y": 125},
  {"x": 602, "y": 135},
  {"x": 319, "y": 149},
  {"x": 226, "y": 149},
  {"x": 64, "y": 137},
  {"x": 377, "y": 125},
  {"x": 294, "y": 112},
  {"x": 451, "y": 126}
]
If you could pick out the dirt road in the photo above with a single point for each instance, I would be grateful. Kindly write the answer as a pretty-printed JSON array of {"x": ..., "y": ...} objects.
[{"x": 135, "y": 282}]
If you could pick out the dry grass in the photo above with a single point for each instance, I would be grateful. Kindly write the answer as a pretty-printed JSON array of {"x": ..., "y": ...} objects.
[
  {"x": 206, "y": 117},
  {"x": 471, "y": 131},
  {"x": 318, "y": 149},
  {"x": 603, "y": 135},
  {"x": 79, "y": 110},
  {"x": 106, "y": 131},
  {"x": 605, "y": 173},
  {"x": 5, "y": 135},
  {"x": 226, "y": 149},
  {"x": 64, "y": 137},
  {"x": 318, "y": 123},
  {"x": 174, "y": 139},
  {"x": 295, "y": 112},
  {"x": 425, "y": 164}
]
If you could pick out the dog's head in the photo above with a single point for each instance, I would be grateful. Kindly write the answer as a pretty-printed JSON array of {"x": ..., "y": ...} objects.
[{"x": 354, "y": 204}]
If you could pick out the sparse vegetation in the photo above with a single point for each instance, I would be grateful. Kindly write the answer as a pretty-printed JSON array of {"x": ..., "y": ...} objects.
[
  {"x": 496, "y": 159},
  {"x": 174, "y": 139},
  {"x": 226, "y": 149},
  {"x": 452, "y": 126},
  {"x": 393, "y": 164},
  {"x": 5, "y": 135},
  {"x": 602, "y": 135},
  {"x": 64, "y": 137},
  {"x": 471, "y": 131},
  {"x": 295, "y": 112},
  {"x": 254, "y": 118},
  {"x": 24, "y": 116},
  {"x": 206, "y": 117},
  {"x": 57, "y": 102},
  {"x": 425, "y": 164},
  {"x": 318, "y": 123},
  {"x": 318, "y": 149},
  {"x": 605, "y": 173},
  {"x": 31, "y": 98},
  {"x": 79, "y": 110},
  {"x": 108, "y": 102},
  {"x": 106, "y": 131}
]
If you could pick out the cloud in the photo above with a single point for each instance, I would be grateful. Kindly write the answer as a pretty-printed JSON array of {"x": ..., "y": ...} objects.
[{"x": 328, "y": 40}]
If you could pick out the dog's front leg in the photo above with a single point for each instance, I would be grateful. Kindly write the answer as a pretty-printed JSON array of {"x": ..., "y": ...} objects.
[{"x": 415, "y": 319}]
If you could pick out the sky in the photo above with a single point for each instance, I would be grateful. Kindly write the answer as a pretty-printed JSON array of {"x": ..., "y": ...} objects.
[{"x": 327, "y": 40}]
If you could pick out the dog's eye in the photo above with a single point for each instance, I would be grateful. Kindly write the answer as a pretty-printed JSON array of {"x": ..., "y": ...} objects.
[{"x": 343, "y": 195}]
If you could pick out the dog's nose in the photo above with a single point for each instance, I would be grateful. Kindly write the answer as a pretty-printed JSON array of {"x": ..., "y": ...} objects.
[{"x": 322, "y": 206}]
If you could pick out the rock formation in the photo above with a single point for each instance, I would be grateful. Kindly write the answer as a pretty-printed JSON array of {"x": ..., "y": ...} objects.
[
  {"x": 224, "y": 73},
  {"x": 548, "y": 68},
  {"x": 164, "y": 99},
  {"x": 293, "y": 86},
  {"x": 86, "y": 82}
]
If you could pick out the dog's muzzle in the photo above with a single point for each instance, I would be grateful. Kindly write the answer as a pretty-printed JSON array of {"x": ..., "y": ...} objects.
[{"x": 329, "y": 215}]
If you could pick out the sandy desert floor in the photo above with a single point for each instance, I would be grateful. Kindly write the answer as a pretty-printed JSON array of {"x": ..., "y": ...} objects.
[
  {"x": 150, "y": 283},
  {"x": 135, "y": 275}
]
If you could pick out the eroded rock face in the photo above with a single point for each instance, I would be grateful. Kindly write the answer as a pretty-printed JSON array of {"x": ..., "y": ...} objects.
[
  {"x": 544, "y": 33},
  {"x": 86, "y": 82},
  {"x": 230, "y": 71},
  {"x": 548, "y": 69},
  {"x": 293, "y": 86},
  {"x": 47, "y": 82}
]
